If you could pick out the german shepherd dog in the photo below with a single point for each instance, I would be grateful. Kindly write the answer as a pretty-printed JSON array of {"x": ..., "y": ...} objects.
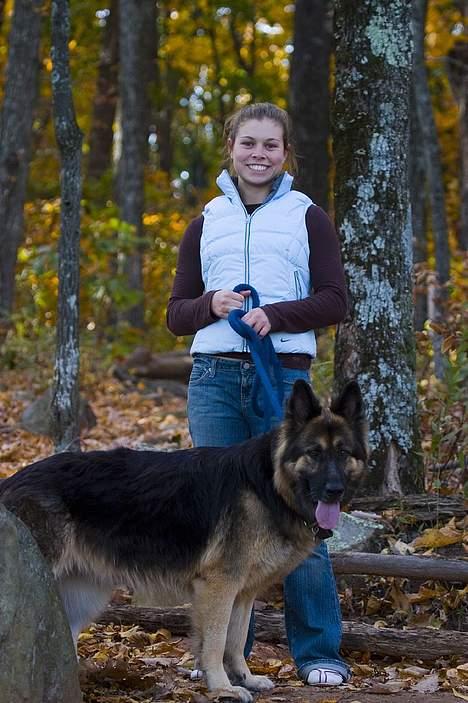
[{"x": 211, "y": 526}]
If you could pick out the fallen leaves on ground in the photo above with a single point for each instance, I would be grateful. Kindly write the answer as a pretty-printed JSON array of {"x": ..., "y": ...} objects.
[{"x": 128, "y": 665}]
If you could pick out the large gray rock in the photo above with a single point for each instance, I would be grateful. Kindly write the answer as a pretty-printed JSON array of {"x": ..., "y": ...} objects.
[
  {"x": 354, "y": 533},
  {"x": 37, "y": 418},
  {"x": 37, "y": 658}
]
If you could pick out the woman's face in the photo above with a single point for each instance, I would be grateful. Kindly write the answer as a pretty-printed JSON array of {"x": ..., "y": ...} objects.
[{"x": 258, "y": 155}]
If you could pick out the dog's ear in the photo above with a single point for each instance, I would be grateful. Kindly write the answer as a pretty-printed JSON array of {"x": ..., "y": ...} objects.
[
  {"x": 302, "y": 405},
  {"x": 350, "y": 406}
]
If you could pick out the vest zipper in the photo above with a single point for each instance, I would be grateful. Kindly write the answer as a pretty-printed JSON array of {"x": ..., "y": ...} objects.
[
  {"x": 248, "y": 223},
  {"x": 246, "y": 266}
]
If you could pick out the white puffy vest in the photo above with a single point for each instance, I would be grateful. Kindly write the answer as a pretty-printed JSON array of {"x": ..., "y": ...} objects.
[{"x": 268, "y": 250}]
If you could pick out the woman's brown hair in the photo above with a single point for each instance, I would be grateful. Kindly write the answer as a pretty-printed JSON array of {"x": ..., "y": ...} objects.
[{"x": 262, "y": 111}]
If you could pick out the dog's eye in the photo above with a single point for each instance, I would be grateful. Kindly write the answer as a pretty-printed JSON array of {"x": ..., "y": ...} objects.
[
  {"x": 343, "y": 453},
  {"x": 315, "y": 452}
]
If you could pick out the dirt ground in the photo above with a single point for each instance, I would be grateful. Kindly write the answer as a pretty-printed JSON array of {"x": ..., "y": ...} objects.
[{"x": 288, "y": 694}]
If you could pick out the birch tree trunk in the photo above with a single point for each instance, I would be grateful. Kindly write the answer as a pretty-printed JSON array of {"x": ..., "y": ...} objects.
[
  {"x": 15, "y": 138},
  {"x": 309, "y": 96},
  {"x": 375, "y": 344},
  {"x": 65, "y": 403}
]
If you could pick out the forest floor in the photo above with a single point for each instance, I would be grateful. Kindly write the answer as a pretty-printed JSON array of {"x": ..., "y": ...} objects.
[{"x": 127, "y": 665}]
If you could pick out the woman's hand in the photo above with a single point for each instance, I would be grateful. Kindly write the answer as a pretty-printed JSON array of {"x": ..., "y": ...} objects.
[
  {"x": 258, "y": 320},
  {"x": 223, "y": 301}
]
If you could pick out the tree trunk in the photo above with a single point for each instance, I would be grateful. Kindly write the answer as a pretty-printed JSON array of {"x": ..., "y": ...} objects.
[
  {"x": 430, "y": 144},
  {"x": 65, "y": 403},
  {"x": 269, "y": 627},
  {"x": 375, "y": 344},
  {"x": 309, "y": 96},
  {"x": 15, "y": 139},
  {"x": 131, "y": 167},
  {"x": 105, "y": 101},
  {"x": 458, "y": 74},
  {"x": 418, "y": 214}
]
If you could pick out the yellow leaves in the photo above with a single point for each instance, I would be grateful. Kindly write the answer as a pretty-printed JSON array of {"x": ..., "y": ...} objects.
[
  {"x": 177, "y": 224},
  {"x": 151, "y": 220},
  {"x": 426, "y": 594},
  {"x": 438, "y": 537},
  {"x": 440, "y": 20}
]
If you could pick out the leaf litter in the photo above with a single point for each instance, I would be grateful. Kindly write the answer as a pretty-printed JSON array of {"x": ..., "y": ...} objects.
[{"x": 128, "y": 665}]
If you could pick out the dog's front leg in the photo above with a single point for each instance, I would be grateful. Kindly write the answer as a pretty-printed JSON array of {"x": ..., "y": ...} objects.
[
  {"x": 212, "y": 603},
  {"x": 234, "y": 658}
]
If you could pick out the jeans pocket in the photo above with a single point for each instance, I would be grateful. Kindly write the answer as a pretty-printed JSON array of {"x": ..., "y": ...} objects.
[{"x": 201, "y": 371}]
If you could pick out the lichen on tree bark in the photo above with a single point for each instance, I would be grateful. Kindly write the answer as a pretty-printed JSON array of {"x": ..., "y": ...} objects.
[{"x": 375, "y": 344}]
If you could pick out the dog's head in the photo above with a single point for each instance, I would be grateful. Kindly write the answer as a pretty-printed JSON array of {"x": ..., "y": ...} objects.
[{"x": 321, "y": 453}]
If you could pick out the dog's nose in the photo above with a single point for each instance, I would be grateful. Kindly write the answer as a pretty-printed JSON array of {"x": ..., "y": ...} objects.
[{"x": 333, "y": 492}]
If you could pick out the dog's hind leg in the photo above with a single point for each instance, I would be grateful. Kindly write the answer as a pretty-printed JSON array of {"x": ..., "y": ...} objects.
[
  {"x": 234, "y": 658},
  {"x": 212, "y": 604},
  {"x": 83, "y": 599}
]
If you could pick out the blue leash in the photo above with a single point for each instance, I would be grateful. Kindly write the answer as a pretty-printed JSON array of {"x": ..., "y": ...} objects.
[{"x": 266, "y": 363}]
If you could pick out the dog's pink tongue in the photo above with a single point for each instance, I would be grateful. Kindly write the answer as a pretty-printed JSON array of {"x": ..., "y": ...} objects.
[{"x": 327, "y": 515}]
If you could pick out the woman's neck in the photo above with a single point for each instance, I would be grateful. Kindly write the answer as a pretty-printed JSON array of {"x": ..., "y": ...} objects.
[{"x": 253, "y": 196}]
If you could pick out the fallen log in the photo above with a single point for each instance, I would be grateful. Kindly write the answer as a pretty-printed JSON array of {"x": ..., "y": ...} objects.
[
  {"x": 422, "y": 506},
  {"x": 422, "y": 643},
  {"x": 143, "y": 363},
  {"x": 415, "y": 567}
]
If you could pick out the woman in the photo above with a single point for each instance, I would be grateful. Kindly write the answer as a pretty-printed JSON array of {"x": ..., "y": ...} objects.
[{"x": 263, "y": 233}]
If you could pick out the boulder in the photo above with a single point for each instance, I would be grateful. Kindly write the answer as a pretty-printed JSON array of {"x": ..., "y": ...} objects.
[
  {"x": 38, "y": 662},
  {"x": 37, "y": 417},
  {"x": 354, "y": 533}
]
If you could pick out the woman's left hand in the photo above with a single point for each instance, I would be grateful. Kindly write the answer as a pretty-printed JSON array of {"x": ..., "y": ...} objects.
[{"x": 258, "y": 320}]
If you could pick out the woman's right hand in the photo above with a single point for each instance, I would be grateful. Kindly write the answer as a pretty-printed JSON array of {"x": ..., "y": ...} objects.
[{"x": 223, "y": 301}]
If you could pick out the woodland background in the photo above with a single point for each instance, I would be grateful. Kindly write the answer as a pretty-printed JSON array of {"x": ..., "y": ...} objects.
[{"x": 146, "y": 171}]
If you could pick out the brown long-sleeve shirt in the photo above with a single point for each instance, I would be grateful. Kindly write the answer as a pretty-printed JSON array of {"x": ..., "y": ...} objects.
[{"x": 189, "y": 307}]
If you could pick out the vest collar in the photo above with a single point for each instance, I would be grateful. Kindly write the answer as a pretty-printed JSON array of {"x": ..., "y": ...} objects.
[{"x": 281, "y": 185}]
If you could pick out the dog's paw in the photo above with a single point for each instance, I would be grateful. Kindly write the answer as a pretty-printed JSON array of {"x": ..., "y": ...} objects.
[
  {"x": 258, "y": 683},
  {"x": 233, "y": 693}
]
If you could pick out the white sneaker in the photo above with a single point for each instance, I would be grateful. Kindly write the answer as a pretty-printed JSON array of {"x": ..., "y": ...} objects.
[{"x": 324, "y": 677}]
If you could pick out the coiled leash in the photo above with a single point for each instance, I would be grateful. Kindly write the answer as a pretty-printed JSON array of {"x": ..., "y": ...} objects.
[{"x": 267, "y": 365}]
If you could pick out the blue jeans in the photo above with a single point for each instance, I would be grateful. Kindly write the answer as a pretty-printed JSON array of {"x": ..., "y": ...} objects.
[{"x": 220, "y": 414}]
